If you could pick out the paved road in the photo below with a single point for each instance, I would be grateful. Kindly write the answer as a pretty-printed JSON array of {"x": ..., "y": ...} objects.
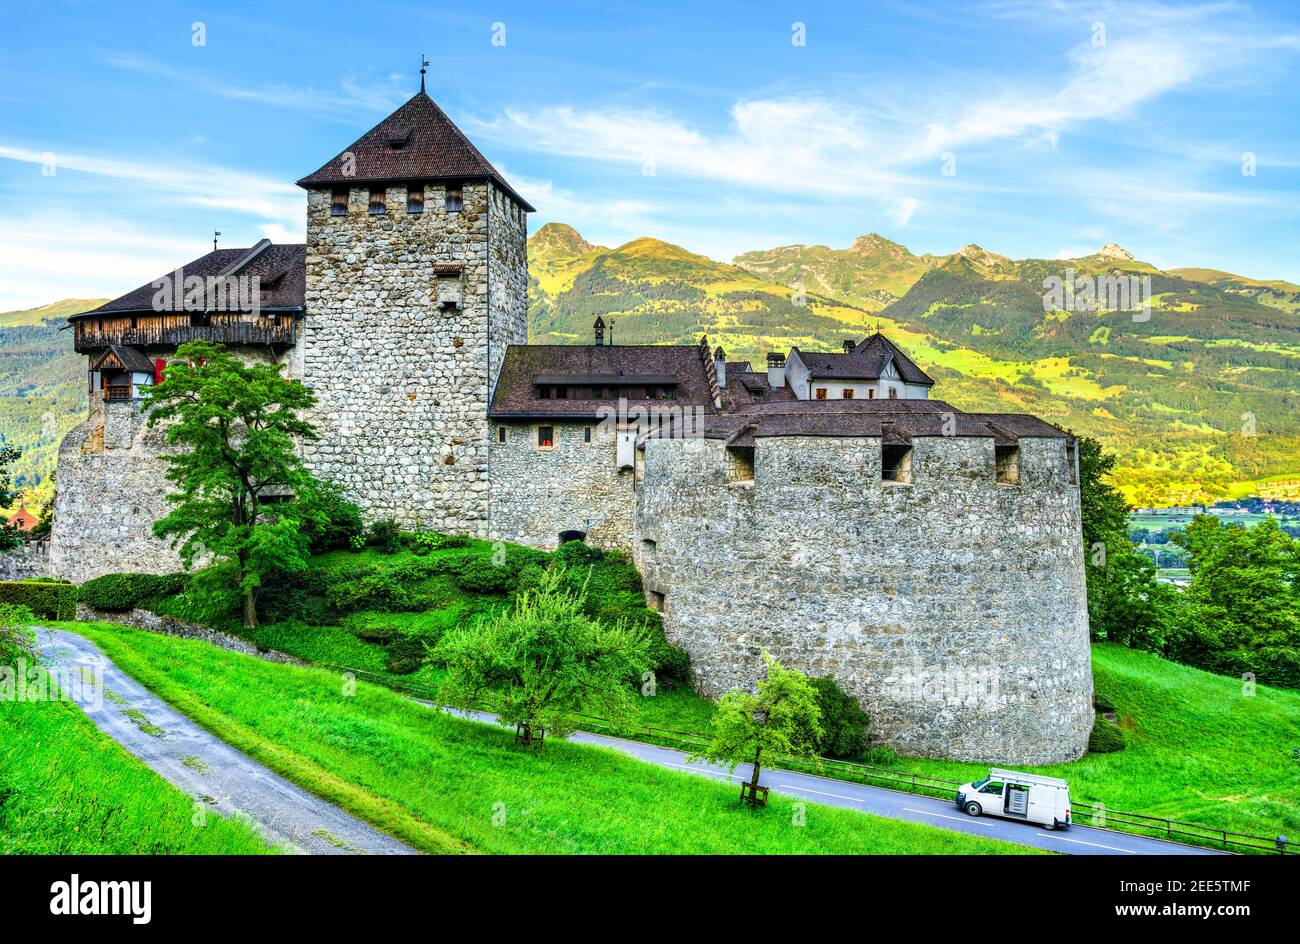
[
  {"x": 892, "y": 804},
  {"x": 207, "y": 768}
]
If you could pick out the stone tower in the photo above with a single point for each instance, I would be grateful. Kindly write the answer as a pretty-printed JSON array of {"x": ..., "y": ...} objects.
[{"x": 417, "y": 280}]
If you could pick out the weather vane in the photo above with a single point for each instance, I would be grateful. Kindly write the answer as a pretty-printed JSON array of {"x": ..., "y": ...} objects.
[
  {"x": 423, "y": 63},
  {"x": 215, "y": 234}
]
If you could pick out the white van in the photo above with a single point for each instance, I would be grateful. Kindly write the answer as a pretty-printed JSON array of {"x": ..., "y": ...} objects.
[{"x": 1029, "y": 797}]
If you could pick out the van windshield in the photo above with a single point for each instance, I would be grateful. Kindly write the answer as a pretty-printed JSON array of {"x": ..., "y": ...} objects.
[{"x": 978, "y": 784}]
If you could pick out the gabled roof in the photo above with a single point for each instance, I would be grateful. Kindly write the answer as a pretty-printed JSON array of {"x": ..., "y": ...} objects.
[
  {"x": 416, "y": 142},
  {"x": 130, "y": 358},
  {"x": 281, "y": 268},
  {"x": 527, "y": 365},
  {"x": 867, "y": 361}
]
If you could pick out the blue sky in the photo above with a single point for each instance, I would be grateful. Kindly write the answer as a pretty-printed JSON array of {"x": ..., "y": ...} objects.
[{"x": 1032, "y": 129}]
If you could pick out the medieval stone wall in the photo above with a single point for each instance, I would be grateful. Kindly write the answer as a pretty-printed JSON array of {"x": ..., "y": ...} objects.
[
  {"x": 573, "y": 486},
  {"x": 30, "y": 559},
  {"x": 402, "y": 381},
  {"x": 953, "y": 607},
  {"x": 111, "y": 489}
]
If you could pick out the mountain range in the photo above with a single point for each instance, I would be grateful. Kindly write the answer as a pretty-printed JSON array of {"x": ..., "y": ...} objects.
[{"x": 1198, "y": 399}]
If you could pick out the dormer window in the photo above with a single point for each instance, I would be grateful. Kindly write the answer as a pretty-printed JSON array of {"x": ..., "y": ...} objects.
[
  {"x": 454, "y": 201},
  {"x": 415, "y": 198},
  {"x": 377, "y": 205},
  {"x": 339, "y": 201}
]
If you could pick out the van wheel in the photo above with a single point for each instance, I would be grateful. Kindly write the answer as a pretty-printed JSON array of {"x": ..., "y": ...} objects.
[
  {"x": 973, "y": 808},
  {"x": 1050, "y": 826}
]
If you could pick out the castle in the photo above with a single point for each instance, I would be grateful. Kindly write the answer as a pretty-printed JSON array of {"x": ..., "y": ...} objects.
[{"x": 826, "y": 509}]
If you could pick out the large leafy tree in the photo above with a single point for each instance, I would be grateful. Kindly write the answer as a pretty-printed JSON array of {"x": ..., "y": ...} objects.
[
  {"x": 781, "y": 717},
  {"x": 543, "y": 662},
  {"x": 10, "y": 538},
  {"x": 1242, "y": 612},
  {"x": 234, "y": 427},
  {"x": 1125, "y": 602}
]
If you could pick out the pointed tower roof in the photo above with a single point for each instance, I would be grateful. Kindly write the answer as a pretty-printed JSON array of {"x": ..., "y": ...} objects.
[{"x": 416, "y": 142}]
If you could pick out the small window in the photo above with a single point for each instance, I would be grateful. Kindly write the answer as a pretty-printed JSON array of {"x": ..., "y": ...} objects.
[
  {"x": 501, "y": 434},
  {"x": 893, "y": 393},
  {"x": 339, "y": 202},
  {"x": 848, "y": 393},
  {"x": 544, "y": 393},
  {"x": 871, "y": 393},
  {"x": 821, "y": 393},
  {"x": 415, "y": 198},
  {"x": 740, "y": 463},
  {"x": 586, "y": 434},
  {"x": 656, "y": 600},
  {"x": 377, "y": 202},
  {"x": 1072, "y": 461},
  {"x": 896, "y": 464},
  {"x": 546, "y": 436},
  {"x": 455, "y": 199},
  {"x": 1007, "y": 460}
]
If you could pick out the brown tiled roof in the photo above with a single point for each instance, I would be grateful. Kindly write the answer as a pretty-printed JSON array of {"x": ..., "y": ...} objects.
[
  {"x": 131, "y": 358},
  {"x": 416, "y": 142},
  {"x": 282, "y": 269},
  {"x": 22, "y": 519},
  {"x": 865, "y": 362},
  {"x": 527, "y": 364}
]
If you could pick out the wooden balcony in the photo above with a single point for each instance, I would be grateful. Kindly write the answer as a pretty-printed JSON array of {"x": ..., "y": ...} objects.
[
  {"x": 117, "y": 391},
  {"x": 172, "y": 331}
]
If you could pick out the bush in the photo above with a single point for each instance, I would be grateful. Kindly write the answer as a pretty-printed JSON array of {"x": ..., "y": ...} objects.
[
  {"x": 330, "y": 521},
  {"x": 405, "y": 654},
  {"x": 879, "y": 756},
  {"x": 1106, "y": 738},
  {"x": 46, "y": 600},
  {"x": 422, "y": 542},
  {"x": 375, "y": 589},
  {"x": 452, "y": 541},
  {"x": 385, "y": 536},
  {"x": 575, "y": 555},
  {"x": 17, "y": 641},
  {"x": 117, "y": 593},
  {"x": 670, "y": 664},
  {"x": 302, "y": 595},
  {"x": 477, "y": 574},
  {"x": 844, "y": 723}
]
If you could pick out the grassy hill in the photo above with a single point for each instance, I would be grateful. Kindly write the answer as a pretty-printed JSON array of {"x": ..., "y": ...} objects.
[{"x": 42, "y": 388}]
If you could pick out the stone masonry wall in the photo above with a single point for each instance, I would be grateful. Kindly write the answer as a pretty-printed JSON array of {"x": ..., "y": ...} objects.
[
  {"x": 31, "y": 559},
  {"x": 952, "y": 607},
  {"x": 111, "y": 489},
  {"x": 575, "y": 485},
  {"x": 403, "y": 383}
]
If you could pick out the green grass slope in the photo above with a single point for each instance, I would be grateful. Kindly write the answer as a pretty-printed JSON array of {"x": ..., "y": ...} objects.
[
  {"x": 65, "y": 788},
  {"x": 446, "y": 784}
]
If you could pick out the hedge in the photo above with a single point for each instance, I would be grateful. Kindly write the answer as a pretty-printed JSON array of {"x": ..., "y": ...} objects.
[
  {"x": 45, "y": 600},
  {"x": 116, "y": 593}
]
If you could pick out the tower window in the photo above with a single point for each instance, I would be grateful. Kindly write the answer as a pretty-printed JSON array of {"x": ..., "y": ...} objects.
[
  {"x": 740, "y": 463},
  {"x": 454, "y": 201},
  {"x": 896, "y": 464},
  {"x": 546, "y": 436},
  {"x": 893, "y": 393},
  {"x": 1072, "y": 460},
  {"x": 871, "y": 393},
  {"x": 821, "y": 393},
  {"x": 377, "y": 201},
  {"x": 415, "y": 198},
  {"x": 1007, "y": 460},
  {"x": 848, "y": 393},
  {"x": 586, "y": 434},
  {"x": 339, "y": 202},
  {"x": 501, "y": 434}
]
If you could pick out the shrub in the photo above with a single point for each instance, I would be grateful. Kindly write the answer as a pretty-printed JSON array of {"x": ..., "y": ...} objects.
[
  {"x": 376, "y": 589},
  {"x": 121, "y": 592},
  {"x": 405, "y": 654},
  {"x": 385, "y": 536},
  {"x": 844, "y": 723},
  {"x": 477, "y": 574},
  {"x": 422, "y": 542},
  {"x": 1106, "y": 738},
  {"x": 879, "y": 756},
  {"x": 46, "y": 600},
  {"x": 576, "y": 555},
  {"x": 330, "y": 521},
  {"x": 302, "y": 595},
  {"x": 670, "y": 664},
  {"x": 17, "y": 641},
  {"x": 452, "y": 541}
]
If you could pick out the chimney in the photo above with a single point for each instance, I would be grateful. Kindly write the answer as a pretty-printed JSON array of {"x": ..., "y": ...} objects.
[
  {"x": 848, "y": 347},
  {"x": 600, "y": 331},
  {"x": 775, "y": 370},
  {"x": 720, "y": 366}
]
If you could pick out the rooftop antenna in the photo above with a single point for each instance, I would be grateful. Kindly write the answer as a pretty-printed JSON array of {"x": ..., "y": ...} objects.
[
  {"x": 215, "y": 234},
  {"x": 611, "y": 332},
  {"x": 423, "y": 64}
]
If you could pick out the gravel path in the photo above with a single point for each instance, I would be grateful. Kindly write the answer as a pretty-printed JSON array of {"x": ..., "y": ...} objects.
[{"x": 207, "y": 768}]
